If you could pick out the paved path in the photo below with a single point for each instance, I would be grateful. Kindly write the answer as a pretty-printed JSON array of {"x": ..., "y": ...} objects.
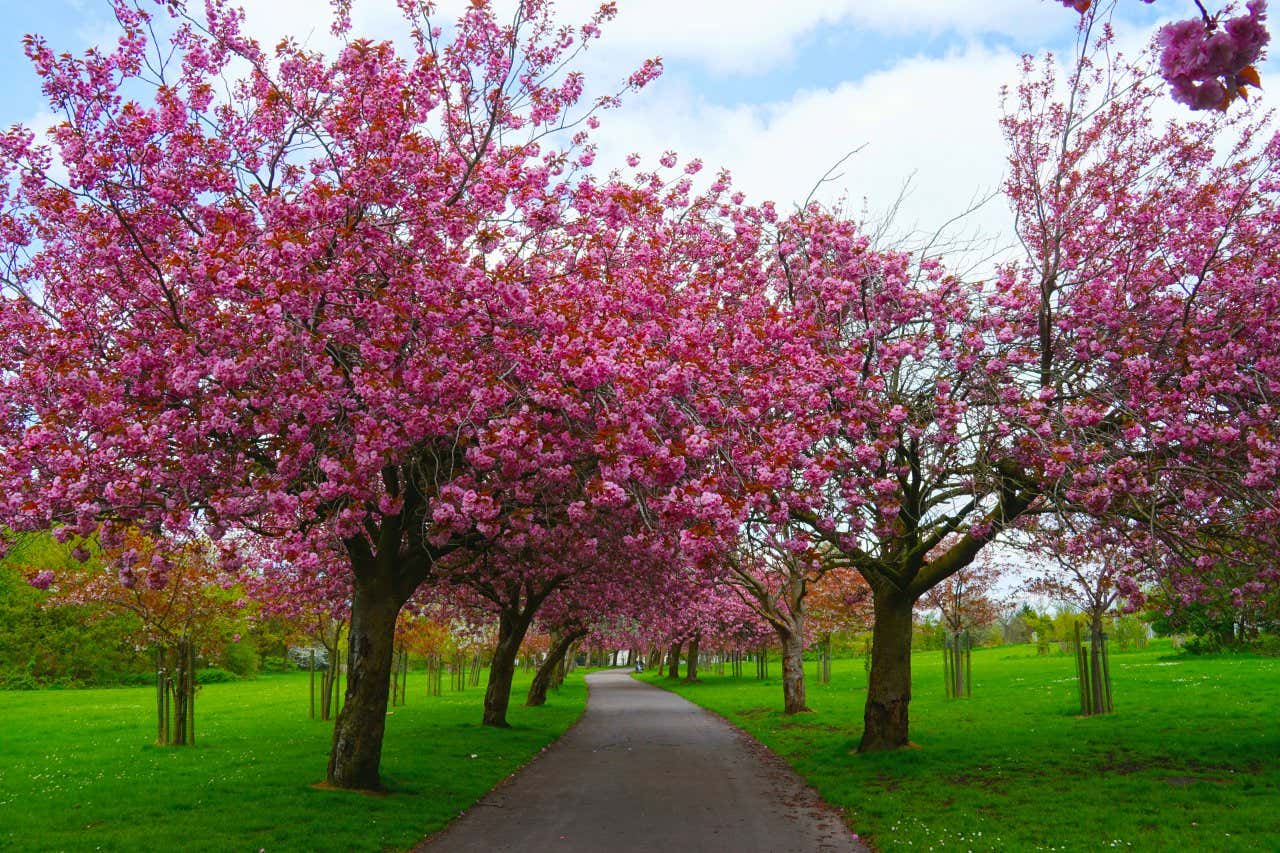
[{"x": 645, "y": 770}]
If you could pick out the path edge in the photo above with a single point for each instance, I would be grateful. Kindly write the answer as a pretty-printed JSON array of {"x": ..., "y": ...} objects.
[
  {"x": 426, "y": 841},
  {"x": 759, "y": 746}
]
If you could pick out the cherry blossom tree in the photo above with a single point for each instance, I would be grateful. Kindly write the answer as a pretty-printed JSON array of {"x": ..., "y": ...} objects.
[
  {"x": 377, "y": 306},
  {"x": 1123, "y": 372},
  {"x": 1080, "y": 568},
  {"x": 1224, "y": 604},
  {"x": 605, "y": 607},
  {"x": 1208, "y": 60},
  {"x": 839, "y": 603},
  {"x": 316, "y": 599},
  {"x": 183, "y": 606},
  {"x": 773, "y": 573},
  {"x": 967, "y": 599},
  {"x": 704, "y": 614},
  {"x": 372, "y": 301},
  {"x": 965, "y": 602}
]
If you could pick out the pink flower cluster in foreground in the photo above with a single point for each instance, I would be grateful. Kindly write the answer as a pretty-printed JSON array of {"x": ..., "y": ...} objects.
[{"x": 1208, "y": 62}]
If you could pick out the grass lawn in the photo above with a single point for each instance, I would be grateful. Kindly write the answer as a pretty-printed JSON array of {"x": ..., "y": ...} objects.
[
  {"x": 78, "y": 770},
  {"x": 1189, "y": 761}
]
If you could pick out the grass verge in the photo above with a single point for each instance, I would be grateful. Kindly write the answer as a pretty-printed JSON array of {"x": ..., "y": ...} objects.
[
  {"x": 78, "y": 770},
  {"x": 1190, "y": 760}
]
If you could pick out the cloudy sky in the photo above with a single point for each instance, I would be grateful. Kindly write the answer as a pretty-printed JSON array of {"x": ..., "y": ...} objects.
[{"x": 777, "y": 92}]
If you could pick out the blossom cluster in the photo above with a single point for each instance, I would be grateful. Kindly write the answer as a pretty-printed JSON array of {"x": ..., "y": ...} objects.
[{"x": 1208, "y": 62}]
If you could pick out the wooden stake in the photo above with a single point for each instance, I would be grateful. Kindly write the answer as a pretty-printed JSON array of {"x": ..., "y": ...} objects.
[{"x": 313, "y": 683}]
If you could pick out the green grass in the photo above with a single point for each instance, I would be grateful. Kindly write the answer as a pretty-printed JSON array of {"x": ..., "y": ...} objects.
[
  {"x": 78, "y": 770},
  {"x": 1189, "y": 761}
]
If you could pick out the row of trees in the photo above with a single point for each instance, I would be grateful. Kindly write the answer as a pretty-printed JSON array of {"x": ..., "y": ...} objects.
[{"x": 373, "y": 330}]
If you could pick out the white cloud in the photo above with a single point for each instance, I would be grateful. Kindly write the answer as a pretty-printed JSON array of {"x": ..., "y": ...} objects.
[
  {"x": 930, "y": 121},
  {"x": 755, "y": 35},
  {"x": 723, "y": 35},
  {"x": 308, "y": 21}
]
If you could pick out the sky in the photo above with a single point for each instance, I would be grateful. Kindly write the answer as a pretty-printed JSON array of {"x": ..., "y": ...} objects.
[{"x": 776, "y": 92}]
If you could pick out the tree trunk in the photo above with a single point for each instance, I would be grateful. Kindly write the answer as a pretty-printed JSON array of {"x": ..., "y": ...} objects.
[
  {"x": 691, "y": 666},
  {"x": 562, "y": 668},
  {"x": 357, "y": 734},
  {"x": 162, "y": 692},
  {"x": 551, "y": 668},
  {"x": 793, "y": 692},
  {"x": 1099, "y": 671},
  {"x": 673, "y": 661},
  {"x": 826, "y": 658},
  {"x": 329, "y": 678},
  {"x": 512, "y": 626},
  {"x": 180, "y": 692},
  {"x": 885, "y": 719}
]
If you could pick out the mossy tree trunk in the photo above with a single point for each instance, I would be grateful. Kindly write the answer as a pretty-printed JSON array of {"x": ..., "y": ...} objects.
[
  {"x": 886, "y": 718},
  {"x": 691, "y": 665},
  {"x": 513, "y": 624},
  {"x": 357, "y": 735},
  {"x": 554, "y": 663},
  {"x": 793, "y": 687}
]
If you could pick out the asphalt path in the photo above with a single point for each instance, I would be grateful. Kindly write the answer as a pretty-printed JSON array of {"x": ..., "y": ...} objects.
[{"x": 645, "y": 770}]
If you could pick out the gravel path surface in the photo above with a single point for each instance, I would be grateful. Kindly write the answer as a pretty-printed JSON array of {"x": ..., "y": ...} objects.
[{"x": 646, "y": 770}]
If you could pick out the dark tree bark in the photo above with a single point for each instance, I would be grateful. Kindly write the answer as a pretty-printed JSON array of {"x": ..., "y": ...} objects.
[
  {"x": 552, "y": 667},
  {"x": 898, "y": 581},
  {"x": 793, "y": 688},
  {"x": 691, "y": 666},
  {"x": 562, "y": 668},
  {"x": 889, "y": 687},
  {"x": 357, "y": 734},
  {"x": 784, "y": 609},
  {"x": 673, "y": 661},
  {"x": 513, "y": 624}
]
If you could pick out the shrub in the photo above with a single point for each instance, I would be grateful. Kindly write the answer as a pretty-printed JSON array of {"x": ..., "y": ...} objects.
[
  {"x": 1268, "y": 644},
  {"x": 18, "y": 681},
  {"x": 241, "y": 658},
  {"x": 215, "y": 675}
]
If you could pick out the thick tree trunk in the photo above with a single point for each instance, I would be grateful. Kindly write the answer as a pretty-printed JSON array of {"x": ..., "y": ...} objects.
[
  {"x": 673, "y": 661},
  {"x": 793, "y": 692},
  {"x": 691, "y": 666},
  {"x": 551, "y": 668},
  {"x": 357, "y": 734},
  {"x": 562, "y": 668},
  {"x": 570, "y": 660},
  {"x": 889, "y": 686},
  {"x": 512, "y": 626}
]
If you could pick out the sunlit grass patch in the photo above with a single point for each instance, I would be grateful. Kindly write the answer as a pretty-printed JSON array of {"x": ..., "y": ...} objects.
[{"x": 79, "y": 771}]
